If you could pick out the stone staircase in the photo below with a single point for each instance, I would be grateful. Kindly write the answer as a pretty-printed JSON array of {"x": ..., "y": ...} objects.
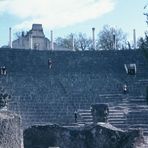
[
  {"x": 117, "y": 117},
  {"x": 84, "y": 117},
  {"x": 111, "y": 99},
  {"x": 130, "y": 113}
]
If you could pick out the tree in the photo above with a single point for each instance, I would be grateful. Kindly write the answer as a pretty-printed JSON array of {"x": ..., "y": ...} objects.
[
  {"x": 65, "y": 42},
  {"x": 111, "y": 38},
  {"x": 146, "y": 13},
  {"x": 143, "y": 42},
  {"x": 82, "y": 42}
]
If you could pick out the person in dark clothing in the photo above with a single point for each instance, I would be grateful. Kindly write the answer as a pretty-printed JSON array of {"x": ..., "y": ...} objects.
[
  {"x": 125, "y": 88},
  {"x": 49, "y": 63},
  {"x": 3, "y": 70},
  {"x": 75, "y": 114}
]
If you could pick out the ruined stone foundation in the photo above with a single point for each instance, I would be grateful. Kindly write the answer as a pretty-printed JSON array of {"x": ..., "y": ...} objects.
[
  {"x": 10, "y": 130},
  {"x": 100, "y": 135}
]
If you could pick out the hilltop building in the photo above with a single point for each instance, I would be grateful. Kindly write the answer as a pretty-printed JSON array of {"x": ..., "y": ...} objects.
[{"x": 35, "y": 39}]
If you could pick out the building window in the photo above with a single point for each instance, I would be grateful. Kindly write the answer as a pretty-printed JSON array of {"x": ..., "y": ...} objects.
[{"x": 130, "y": 69}]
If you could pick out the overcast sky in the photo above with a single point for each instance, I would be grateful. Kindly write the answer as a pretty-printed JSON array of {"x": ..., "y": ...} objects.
[{"x": 71, "y": 16}]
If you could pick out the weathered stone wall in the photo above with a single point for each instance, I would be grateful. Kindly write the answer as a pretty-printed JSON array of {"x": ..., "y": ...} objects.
[
  {"x": 11, "y": 135},
  {"x": 94, "y": 136},
  {"x": 76, "y": 80}
]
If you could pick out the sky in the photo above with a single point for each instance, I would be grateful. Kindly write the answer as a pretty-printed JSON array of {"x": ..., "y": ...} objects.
[{"x": 72, "y": 16}]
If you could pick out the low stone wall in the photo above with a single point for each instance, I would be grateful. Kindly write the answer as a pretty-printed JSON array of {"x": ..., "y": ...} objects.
[
  {"x": 10, "y": 130},
  {"x": 100, "y": 135}
]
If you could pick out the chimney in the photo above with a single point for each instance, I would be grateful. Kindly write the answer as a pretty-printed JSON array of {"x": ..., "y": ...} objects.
[
  {"x": 93, "y": 38},
  {"x": 10, "y": 41},
  {"x": 134, "y": 38},
  {"x": 51, "y": 43}
]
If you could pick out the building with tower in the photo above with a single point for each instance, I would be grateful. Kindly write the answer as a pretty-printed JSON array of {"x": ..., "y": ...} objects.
[{"x": 34, "y": 39}]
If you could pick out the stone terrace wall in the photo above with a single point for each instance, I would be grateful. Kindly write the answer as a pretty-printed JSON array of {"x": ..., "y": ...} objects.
[{"x": 76, "y": 80}]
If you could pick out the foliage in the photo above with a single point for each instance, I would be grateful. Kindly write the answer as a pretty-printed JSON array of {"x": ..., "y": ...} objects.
[
  {"x": 65, "y": 42},
  {"x": 81, "y": 42},
  {"x": 108, "y": 36},
  {"x": 143, "y": 42},
  {"x": 4, "y": 97},
  {"x": 146, "y": 13}
]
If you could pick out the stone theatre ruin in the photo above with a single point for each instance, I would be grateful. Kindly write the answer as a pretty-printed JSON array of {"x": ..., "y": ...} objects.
[{"x": 40, "y": 111}]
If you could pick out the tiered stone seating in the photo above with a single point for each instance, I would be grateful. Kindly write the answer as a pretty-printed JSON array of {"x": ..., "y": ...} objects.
[{"x": 75, "y": 81}]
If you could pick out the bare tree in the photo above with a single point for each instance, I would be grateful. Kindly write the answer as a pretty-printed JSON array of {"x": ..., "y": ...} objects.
[
  {"x": 65, "y": 42},
  {"x": 111, "y": 38},
  {"x": 81, "y": 41}
]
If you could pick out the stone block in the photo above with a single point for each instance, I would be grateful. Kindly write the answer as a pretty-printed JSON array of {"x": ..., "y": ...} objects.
[
  {"x": 11, "y": 135},
  {"x": 99, "y": 112}
]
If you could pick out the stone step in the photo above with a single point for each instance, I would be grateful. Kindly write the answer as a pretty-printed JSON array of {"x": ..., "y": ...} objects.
[
  {"x": 136, "y": 122},
  {"x": 84, "y": 123},
  {"x": 84, "y": 111},
  {"x": 137, "y": 102},
  {"x": 115, "y": 117},
  {"x": 85, "y": 114},
  {"x": 140, "y": 125},
  {"x": 140, "y": 107},
  {"x": 125, "y": 101},
  {"x": 117, "y": 122},
  {"x": 138, "y": 116},
  {"x": 88, "y": 121},
  {"x": 115, "y": 111},
  {"x": 110, "y": 95},
  {"x": 137, "y": 99},
  {"x": 144, "y": 129},
  {"x": 87, "y": 117}
]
